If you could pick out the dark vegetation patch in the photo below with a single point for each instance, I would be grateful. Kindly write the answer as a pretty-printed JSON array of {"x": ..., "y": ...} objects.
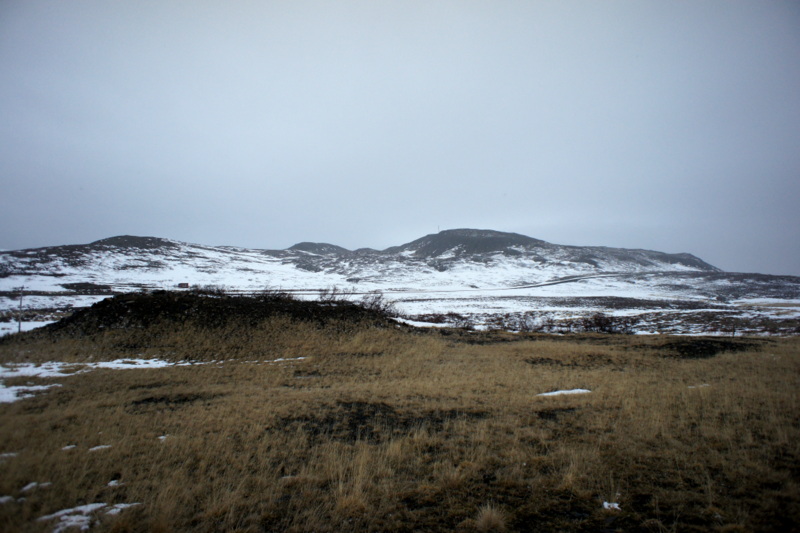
[
  {"x": 544, "y": 361},
  {"x": 87, "y": 288},
  {"x": 577, "y": 361},
  {"x": 477, "y": 337},
  {"x": 554, "y": 414},
  {"x": 359, "y": 354},
  {"x": 370, "y": 422},
  {"x": 304, "y": 373},
  {"x": 690, "y": 348},
  {"x": 616, "y": 302},
  {"x": 167, "y": 402},
  {"x": 157, "y": 384}
]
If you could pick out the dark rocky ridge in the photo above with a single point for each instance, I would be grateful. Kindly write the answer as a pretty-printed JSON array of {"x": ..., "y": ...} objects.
[{"x": 140, "y": 310}]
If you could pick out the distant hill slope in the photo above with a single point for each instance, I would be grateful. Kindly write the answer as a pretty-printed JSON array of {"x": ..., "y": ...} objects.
[
  {"x": 466, "y": 243},
  {"x": 483, "y": 274},
  {"x": 469, "y": 257}
]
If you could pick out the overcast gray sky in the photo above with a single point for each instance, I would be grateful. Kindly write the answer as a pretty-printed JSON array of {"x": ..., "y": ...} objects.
[{"x": 672, "y": 126}]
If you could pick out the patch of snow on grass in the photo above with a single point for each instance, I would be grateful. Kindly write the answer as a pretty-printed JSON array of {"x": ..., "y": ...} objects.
[
  {"x": 57, "y": 369},
  {"x": 123, "y": 364},
  {"x": 420, "y": 324},
  {"x": 79, "y": 517},
  {"x": 82, "y": 516},
  {"x": 101, "y": 447},
  {"x": 611, "y": 506},
  {"x": 33, "y": 485},
  {"x": 12, "y": 394},
  {"x": 45, "y": 370},
  {"x": 561, "y": 392},
  {"x": 115, "y": 509}
]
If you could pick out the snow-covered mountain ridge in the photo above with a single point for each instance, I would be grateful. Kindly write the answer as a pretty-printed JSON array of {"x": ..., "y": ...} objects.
[
  {"x": 474, "y": 273},
  {"x": 450, "y": 259}
]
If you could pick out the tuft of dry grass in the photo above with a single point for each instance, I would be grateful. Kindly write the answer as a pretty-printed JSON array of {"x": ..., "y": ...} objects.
[{"x": 490, "y": 518}]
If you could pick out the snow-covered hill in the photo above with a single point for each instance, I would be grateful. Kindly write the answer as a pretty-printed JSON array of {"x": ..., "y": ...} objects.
[
  {"x": 450, "y": 259},
  {"x": 478, "y": 274}
]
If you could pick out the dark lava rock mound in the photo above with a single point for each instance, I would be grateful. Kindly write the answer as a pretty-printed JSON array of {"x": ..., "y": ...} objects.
[{"x": 208, "y": 311}]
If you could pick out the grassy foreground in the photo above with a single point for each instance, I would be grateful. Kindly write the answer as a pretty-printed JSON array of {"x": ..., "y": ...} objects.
[{"x": 388, "y": 429}]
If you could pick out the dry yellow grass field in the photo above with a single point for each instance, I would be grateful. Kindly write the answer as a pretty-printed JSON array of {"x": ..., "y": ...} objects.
[{"x": 379, "y": 428}]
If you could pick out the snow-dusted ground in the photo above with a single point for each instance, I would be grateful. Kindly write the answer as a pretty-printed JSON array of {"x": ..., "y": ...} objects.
[
  {"x": 61, "y": 370},
  {"x": 666, "y": 308},
  {"x": 50, "y": 370},
  {"x": 480, "y": 288},
  {"x": 14, "y": 327},
  {"x": 83, "y": 516}
]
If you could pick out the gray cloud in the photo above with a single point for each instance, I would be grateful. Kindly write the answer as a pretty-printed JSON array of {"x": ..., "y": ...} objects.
[{"x": 662, "y": 125}]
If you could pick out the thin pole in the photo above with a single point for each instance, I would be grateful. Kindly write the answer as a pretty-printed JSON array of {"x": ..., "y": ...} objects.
[{"x": 19, "y": 316}]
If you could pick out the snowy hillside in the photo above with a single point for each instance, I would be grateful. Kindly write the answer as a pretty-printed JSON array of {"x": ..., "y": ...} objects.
[
  {"x": 479, "y": 274},
  {"x": 450, "y": 259}
]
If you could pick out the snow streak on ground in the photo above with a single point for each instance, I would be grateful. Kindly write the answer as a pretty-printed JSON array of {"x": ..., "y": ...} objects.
[
  {"x": 83, "y": 516},
  {"x": 563, "y": 392},
  {"x": 55, "y": 369},
  {"x": 58, "y": 370}
]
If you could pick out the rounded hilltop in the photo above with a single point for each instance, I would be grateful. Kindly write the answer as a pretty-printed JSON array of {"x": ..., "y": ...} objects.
[
  {"x": 132, "y": 241},
  {"x": 319, "y": 248},
  {"x": 467, "y": 241}
]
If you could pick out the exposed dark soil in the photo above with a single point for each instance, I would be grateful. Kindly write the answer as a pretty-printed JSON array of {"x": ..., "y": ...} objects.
[
  {"x": 554, "y": 414},
  {"x": 371, "y": 422},
  {"x": 579, "y": 361},
  {"x": 170, "y": 402}
]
